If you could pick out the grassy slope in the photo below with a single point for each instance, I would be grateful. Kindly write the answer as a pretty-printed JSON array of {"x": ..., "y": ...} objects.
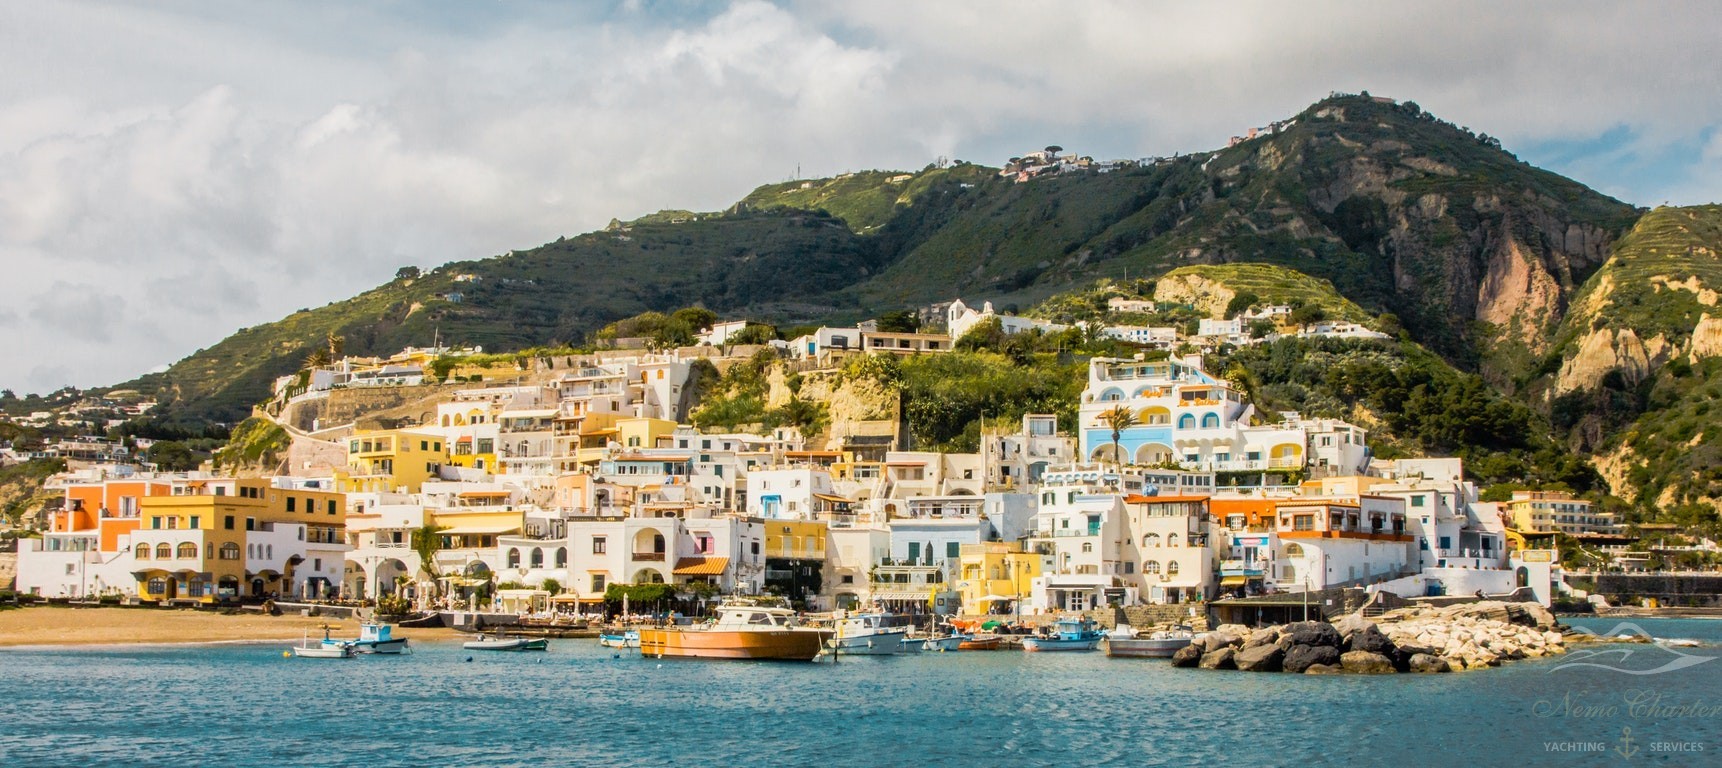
[
  {"x": 1669, "y": 425},
  {"x": 1279, "y": 285}
]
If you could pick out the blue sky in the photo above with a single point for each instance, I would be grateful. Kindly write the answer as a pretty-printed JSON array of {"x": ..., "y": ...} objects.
[{"x": 172, "y": 172}]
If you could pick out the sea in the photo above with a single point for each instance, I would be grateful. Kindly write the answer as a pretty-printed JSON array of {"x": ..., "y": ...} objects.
[{"x": 583, "y": 705}]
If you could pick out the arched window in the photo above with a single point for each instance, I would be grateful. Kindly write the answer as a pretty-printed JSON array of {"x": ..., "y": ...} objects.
[
  {"x": 1111, "y": 395},
  {"x": 1152, "y": 566},
  {"x": 1171, "y": 539},
  {"x": 1187, "y": 421},
  {"x": 537, "y": 557},
  {"x": 187, "y": 551},
  {"x": 513, "y": 557},
  {"x": 1210, "y": 420},
  {"x": 561, "y": 557},
  {"x": 163, "y": 551},
  {"x": 1294, "y": 550},
  {"x": 1087, "y": 546},
  {"x": 658, "y": 543},
  {"x": 1172, "y": 568},
  {"x": 230, "y": 551},
  {"x": 1151, "y": 540},
  {"x": 143, "y": 552}
]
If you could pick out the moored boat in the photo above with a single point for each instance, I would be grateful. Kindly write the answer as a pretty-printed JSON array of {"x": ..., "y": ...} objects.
[
  {"x": 1125, "y": 641},
  {"x": 978, "y": 642},
  {"x": 501, "y": 643},
  {"x": 944, "y": 642},
  {"x": 1068, "y": 635},
  {"x": 740, "y": 632},
  {"x": 614, "y": 639},
  {"x": 865, "y": 634},
  {"x": 373, "y": 638},
  {"x": 327, "y": 649}
]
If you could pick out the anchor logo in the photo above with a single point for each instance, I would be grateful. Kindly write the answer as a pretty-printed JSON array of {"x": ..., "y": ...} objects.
[{"x": 1626, "y": 749}]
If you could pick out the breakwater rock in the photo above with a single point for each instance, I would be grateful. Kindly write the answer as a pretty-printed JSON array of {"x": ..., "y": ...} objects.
[{"x": 1416, "y": 639}]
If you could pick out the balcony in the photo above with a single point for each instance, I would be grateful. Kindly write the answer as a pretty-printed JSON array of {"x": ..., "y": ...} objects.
[
  {"x": 648, "y": 557},
  {"x": 1239, "y": 568}
]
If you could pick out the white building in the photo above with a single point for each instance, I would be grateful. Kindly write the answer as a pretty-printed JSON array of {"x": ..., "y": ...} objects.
[{"x": 961, "y": 318}]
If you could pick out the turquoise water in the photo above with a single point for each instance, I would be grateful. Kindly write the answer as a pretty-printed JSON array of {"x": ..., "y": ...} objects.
[{"x": 242, "y": 705}]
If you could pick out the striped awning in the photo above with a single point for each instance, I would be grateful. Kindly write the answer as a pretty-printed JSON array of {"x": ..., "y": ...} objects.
[{"x": 701, "y": 566}]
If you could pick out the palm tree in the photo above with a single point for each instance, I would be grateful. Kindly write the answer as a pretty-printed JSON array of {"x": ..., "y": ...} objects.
[
  {"x": 1118, "y": 419},
  {"x": 426, "y": 542}
]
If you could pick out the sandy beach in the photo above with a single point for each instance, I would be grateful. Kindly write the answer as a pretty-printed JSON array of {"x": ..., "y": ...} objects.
[{"x": 101, "y": 626}]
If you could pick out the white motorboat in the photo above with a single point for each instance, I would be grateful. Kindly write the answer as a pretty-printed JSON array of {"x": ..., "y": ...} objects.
[
  {"x": 327, "y": 649},
  {"x": 1124, "y": 640},
  {"x": 865, "y": 634},
  {"x": 373, "y": 638},
  {"x": 500, "y": 643}
]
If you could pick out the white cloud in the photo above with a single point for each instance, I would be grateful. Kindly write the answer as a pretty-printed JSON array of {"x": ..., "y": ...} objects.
[{"x": 170, "y": 175}]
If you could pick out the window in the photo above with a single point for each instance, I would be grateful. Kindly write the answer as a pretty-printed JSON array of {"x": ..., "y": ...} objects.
[
  {"x": 755, "y": 546},
  {"x": 1129, "y": 566},
  {"x": 227, "y": 522},
  {"x": 513, "y": 558},
  {"x": 292, "y": 504},
  {"x": 163, "y": 551},
  {"x": 317, "y": 564},
  {"x": 599, "y": 547},
  {"x": 142, "y": 552},
  {"x": 250, "y": 523},
  {"x": 230, "y": 551},
  {"x": 155, "y": 523},
  {"x": 561, "y": 557},
  {"x": 537, "y": 559},
  {"x": 848, "y": 579},
  {"x": 1172, "y": 568},
  {"x": 597, "y": 582},
  {"x": 173, "y": 523},
  {"x": 1087, "y": 546},
  {"x": 331, "y": 506},
  {"x": 1152, "y": 566},
  {"x": 953, "y": 550},
  {"x": 196, "y": 521},
  {"x": 914, "y": 551}
]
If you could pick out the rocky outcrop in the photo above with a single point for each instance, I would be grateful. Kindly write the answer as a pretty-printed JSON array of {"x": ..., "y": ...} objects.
[
  {"x": 1706, "y": 338},
  {"x": 1604, "y": 350},
  {"x": 1415, "y": 639},
  {"x": 1207, "y": 296},
  {"x": 1518, "y": 294}
]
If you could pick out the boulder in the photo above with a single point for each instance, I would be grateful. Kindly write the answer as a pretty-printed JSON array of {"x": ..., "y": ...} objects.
[
  {"x": 1351, "y": 624},
  {"x": 1233, "y": 629},
  {"x": 1188, "y": 656},
  {"x": 1262, "y": 637},
  {"x": 1300, "y": 657},
  {"x": 1223, "y": 639},
  {"x": 1370, "y": 639},
  {"x": 1322, "y": 669},
  {"x": 1366, "y": 663},
  {"x": 1314, "y": 633},
  {"x": 1423, "y": 662},
  {"x": 1220, "y": 659},
  {"x": 1260, "y": 658}
]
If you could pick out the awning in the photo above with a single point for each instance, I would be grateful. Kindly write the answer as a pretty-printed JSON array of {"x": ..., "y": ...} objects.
[
  {"x": 701, "y": 566},
  {"x": 833, "y": 499},
  {"x": 1234, "y": 581},
  {"x": 482, "y": 494},
  {"x": 481, "y": 530},
  {"x": 918, "y": 596},
  {"x": 539, "y": 413}
]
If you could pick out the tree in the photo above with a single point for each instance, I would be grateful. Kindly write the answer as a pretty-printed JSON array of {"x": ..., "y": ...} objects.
[
  {"x": 172, "y": 456},
  {"x": 337, "y": 345},
  {"x": 1118, "y": 419},
  {"x": 407, "y": 273},
  {"x": 426, "y": 542},
  {"x": 901, "y": 321},
  {"x": 753, "y": 334},
  {"x": 318, "y": 358},
  {"x": 552, "y": 586},
  {"x": 1308, "y": 314},
  {"x": 1241, "y": 301}
]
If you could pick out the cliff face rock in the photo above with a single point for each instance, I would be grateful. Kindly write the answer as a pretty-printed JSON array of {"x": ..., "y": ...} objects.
[
  {"x": 1602, "y": 351},
  {"x": 1519, "y": 295},
  {"x": 1205, "y": 295},
  {"x": 1706, "y": 338}
]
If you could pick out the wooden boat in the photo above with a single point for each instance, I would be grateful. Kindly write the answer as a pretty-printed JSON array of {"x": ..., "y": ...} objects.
[
  {"x": 373, "y": 638},
  {"x": 615, "y": 639},
  {"x": 740, "y": 632},
  {"x": 979, "y": 642},
  {"x": 1068, "y": 635},
  {"x": 326, "y": 649},
  {"x": 1125, "y": 641}
]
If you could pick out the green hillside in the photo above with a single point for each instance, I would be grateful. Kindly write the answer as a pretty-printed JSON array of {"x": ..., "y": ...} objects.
[
  {"x": 1632, "y": 378},
  {"x": 1397, "y": 211}
]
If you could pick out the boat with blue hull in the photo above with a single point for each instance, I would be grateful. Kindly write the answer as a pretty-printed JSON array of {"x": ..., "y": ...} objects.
[
  {"x": 614, "y": 639},
  {"x": 1068, "y": 635}
]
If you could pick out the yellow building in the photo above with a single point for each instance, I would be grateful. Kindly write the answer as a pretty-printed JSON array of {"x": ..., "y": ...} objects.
[
  {"x": 795, "y": 539},
  {"x": 996, "y": 569},
  {"x": 1535, "y": 512},
  {"x": 393, "y": 460},
  {"x": 233, "y": 537},
  {"x": 643, "y": 432}
]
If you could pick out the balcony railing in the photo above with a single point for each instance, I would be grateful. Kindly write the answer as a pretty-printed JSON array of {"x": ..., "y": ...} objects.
[{"x": 651, "y": 557}]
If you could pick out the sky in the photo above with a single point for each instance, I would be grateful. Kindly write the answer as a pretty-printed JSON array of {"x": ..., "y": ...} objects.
[{"x": 171, "y": 172}]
